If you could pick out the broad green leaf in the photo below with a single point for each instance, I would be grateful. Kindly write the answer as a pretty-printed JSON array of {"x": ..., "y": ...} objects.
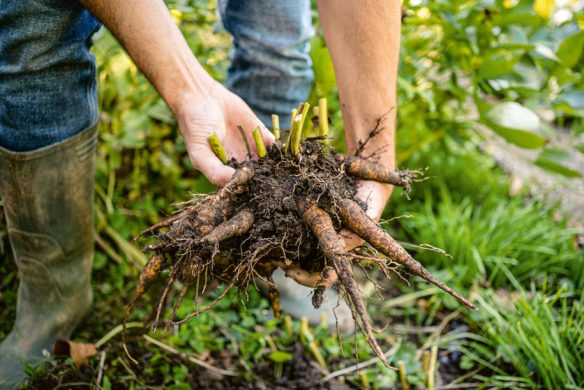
[
  {"x": 404, "y": 86},
  {"x": 133, "y": 130},
  {"x": 280, "y": 356},
  {"x": 531, "y": 77},
  {"x": 106, "y": 384},
  {"x": 556, "y": 160},
  {"x": 161, "y": 112},
  {"x": 516, "y": 123},
  {"x": 580, "y": 19},
  {"x": 521, "y": 19},
  {"x": 497, "y": 65},
  {"x": 515, "y": 46},
  {"x": 571, "y": 49},
  {"x": 202, "y": 186},
  {"x": 516, "y": 33},
  {"x": 466, "y": 363},
  {"x": 513, "y": 115},
  {"x": 565, "y": 75},
  {"x": 546, "y": 52}
]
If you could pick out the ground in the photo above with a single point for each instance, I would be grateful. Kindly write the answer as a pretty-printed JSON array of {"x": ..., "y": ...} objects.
[{"x": 515, "y": 256}]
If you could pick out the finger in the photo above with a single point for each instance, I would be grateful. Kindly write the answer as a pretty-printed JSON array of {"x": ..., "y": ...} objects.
[
  {"x": 352, "y": 240},
  {"x": 267, "y": 135},
  {"x": 308, "y": 279},
  {"x": 375, "y": 195},
  {"x": 204, "y": 160},
  {"x": 251, "y": 122},
  {"x": 236, "y": 147}
]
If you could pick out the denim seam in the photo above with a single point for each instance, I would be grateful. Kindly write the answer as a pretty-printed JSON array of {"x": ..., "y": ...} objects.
[{"x": 89, "y": 89}]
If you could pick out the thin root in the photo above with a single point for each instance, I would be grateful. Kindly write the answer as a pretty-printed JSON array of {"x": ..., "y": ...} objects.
[
  {"x": 359, "y": 222},
  {"x": 333, "y": 247}
]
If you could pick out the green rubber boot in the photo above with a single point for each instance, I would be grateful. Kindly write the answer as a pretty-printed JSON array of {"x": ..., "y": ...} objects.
[{"x": 48, "y": 199}]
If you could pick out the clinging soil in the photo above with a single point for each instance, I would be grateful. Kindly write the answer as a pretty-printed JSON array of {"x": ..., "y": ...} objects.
[{"x": 283, "y": 210}]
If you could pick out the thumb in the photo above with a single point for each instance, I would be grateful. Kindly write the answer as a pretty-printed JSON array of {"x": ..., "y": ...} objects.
[
  {"x": 204, "y": 160},
  {"x": 375, "y": 195},
  {"x": 267, "y": 135}
]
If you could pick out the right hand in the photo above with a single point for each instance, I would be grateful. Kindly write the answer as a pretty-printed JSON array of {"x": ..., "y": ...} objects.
[{"x": 220, "y": 111}]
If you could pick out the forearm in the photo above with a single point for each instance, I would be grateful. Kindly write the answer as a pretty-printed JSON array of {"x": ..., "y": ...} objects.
[
  {"x": 363, "y": 39},
  {"x": 150, "y": 36}
]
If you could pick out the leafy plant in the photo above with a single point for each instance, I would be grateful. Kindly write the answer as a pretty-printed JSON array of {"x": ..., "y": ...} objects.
[
  {"x": 521, "y": 236},
  {"x": 499, "y": 58},
  {"x": 460, "y": 60},
  {"x": 538, "y": 333}
]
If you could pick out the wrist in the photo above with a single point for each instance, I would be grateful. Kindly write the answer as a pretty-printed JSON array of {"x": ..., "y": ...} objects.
[
  {"x": 373, "y": 139},
  {"x": 196, "y": 104},
  {"x": 193, "y": 90}
]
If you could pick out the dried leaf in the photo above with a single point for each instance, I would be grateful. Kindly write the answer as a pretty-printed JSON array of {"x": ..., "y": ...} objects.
[{"x": 79, "y": 352}]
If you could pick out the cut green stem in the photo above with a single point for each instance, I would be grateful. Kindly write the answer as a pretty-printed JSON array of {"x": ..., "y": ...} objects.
[
  {"x": 432, "y": 368},
  {"x": 323, "y": 125},
  {"x": 260, "y": 146},
  {"x": 293, "y": 144},
  {"x": 276, "y": 126},
  {"x": 403, "y": 375},
  {"x": 217, "y": 147},
  {"x": 288, "y": 326},
  {"x": 292, "y": 116}
]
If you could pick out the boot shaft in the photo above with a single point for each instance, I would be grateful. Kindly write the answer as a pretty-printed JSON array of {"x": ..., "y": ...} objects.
[{"x": 48, "y": 202}]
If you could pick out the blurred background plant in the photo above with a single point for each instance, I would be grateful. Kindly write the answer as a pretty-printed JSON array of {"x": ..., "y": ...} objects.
[{"x": 468, "y": 70}]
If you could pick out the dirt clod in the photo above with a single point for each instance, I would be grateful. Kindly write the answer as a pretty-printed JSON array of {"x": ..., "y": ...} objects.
[{"x": 283, "y": 210}]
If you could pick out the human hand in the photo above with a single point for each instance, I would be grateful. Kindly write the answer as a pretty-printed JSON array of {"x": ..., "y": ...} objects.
[
  {"x": 308, "y": 279},
  {"x": 221, "y": 111},
  {"x": 377, "y": 145},
  {"x": 376, "y": 196}
]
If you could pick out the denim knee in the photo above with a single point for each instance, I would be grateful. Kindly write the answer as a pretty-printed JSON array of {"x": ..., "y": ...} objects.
[
  {"x": 48, "y": 86},
  {"x": 271, "y": 68}
]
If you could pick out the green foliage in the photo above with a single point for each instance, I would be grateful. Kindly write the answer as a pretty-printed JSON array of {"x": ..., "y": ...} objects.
[
  {"x": 571, "y": 49},
  {"x": 464, "y": 209},
  {"x": 557, "y": 160},
  {"x": 539, "y": 333},
  {"x": 461, "y": 61},
  {"x": 463, "y": 56},
  {"x": 515, "y": 123},
  {"x": 521, "y": 236}
]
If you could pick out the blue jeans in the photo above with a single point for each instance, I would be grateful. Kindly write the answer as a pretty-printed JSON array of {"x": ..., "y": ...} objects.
[
  {"x": 271, "y": 68},
  {"x": 48, "y": 86}
]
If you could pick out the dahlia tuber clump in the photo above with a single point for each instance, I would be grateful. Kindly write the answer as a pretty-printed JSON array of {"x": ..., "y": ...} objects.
[{"x": 283, "y": 210}]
